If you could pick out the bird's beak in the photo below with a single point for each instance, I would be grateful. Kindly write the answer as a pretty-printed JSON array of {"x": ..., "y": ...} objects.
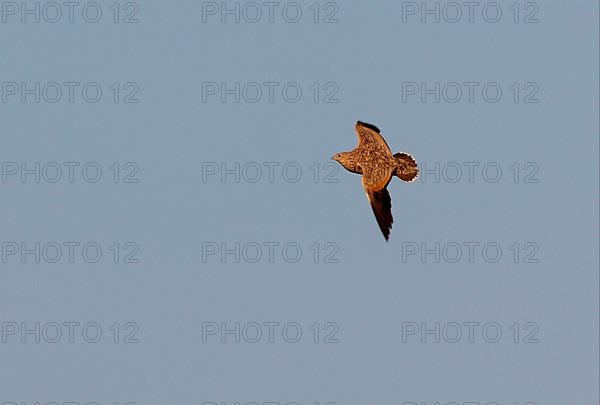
[{"x": 333, "y": 158}]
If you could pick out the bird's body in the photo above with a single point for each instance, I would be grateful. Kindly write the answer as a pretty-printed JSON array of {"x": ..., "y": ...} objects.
[{"x": 373, "y": 159}]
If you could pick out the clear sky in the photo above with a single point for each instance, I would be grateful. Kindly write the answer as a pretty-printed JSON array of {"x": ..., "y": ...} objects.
[{"x": 515, "y": 171}]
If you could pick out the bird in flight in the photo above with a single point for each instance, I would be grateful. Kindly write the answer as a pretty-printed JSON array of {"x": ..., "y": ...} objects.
[{"x": 373, "y": 159}]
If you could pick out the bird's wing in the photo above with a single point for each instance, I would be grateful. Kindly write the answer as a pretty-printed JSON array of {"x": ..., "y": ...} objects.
[
  {"x": 376, "y": 173},
  {"x": 369, "y": 137},
  {"x": 379, "y": 197}
]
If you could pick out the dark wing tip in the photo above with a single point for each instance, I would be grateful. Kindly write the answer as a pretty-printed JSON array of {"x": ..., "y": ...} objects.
[
  {"x": 381, "y": 203},
  {"x": 386, "y": 235},
  {"x": 366, "y": 125},
  {"x": 386, "y": 229}
]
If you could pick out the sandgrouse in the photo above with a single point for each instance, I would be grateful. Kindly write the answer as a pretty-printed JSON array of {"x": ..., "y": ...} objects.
[{"x": 373, "y": 159}]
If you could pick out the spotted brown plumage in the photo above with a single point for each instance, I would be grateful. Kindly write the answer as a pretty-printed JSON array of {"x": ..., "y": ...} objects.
[{"x": 373, "y": 159}]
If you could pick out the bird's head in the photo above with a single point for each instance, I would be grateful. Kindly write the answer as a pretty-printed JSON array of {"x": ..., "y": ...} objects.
[{"x": 345, "y": 159}]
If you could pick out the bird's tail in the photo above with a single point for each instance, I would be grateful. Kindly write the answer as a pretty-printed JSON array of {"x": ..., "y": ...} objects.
[{"x": 406, "y": 167}]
